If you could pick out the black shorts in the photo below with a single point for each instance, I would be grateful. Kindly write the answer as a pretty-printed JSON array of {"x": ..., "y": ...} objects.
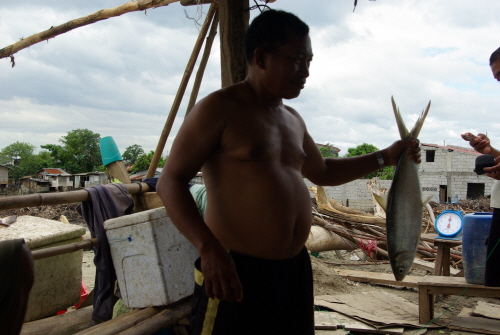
[{"x": 277, "y": 299}]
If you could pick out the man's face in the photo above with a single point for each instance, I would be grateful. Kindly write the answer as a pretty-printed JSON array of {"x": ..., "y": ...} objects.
[
  {"x": 288, "y": 67},
  {"x": 495, "y": 69}
]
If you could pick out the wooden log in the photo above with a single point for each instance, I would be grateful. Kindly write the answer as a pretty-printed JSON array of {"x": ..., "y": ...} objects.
[
  {"x": 103, "y": 14},
  {"x": 122, "y": 322},
  {"x": 234, "y": 17},
  {"x": 64, "y": 249},
  {"x": 64, "y": 324},
  {"x": 48, "y": 199},
  {"x": 203, "y": 62},
  {"x": 321, "y": 239},
  {"x": 180, "y": 92},
  {"x": 164, "y": 319}
]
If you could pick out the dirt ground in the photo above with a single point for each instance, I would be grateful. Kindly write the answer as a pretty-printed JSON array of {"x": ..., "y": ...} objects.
[{"x": 326, "y": 280}]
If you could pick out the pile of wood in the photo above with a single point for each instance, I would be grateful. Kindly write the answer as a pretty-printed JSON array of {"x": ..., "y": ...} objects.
[{"x": 336, "y": 227}]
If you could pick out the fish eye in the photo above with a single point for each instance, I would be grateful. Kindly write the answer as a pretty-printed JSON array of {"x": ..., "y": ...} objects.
[{"x": 401, "y": 270}]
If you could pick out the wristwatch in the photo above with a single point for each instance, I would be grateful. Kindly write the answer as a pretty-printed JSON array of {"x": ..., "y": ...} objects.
[{"x": 380, "y": 160}]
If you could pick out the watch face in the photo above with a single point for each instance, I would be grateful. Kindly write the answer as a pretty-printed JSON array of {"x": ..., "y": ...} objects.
[{"x": 449, "y": 223}]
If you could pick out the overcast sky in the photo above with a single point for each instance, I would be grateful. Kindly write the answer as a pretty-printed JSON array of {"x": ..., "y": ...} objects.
[{"x": 119, "y": 77}]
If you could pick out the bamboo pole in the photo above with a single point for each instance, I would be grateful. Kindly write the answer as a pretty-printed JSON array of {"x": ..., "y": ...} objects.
[
  {"x": 103, "y": 14},
  {"x": 47, "y": 199},
  {"x": 64, "y": 249},
  {"x": 203, "y": 62},
  {"x": 164, "y": 319},
  {"x": 122, "y": 322},
  {"x": 180, "y": 92}
]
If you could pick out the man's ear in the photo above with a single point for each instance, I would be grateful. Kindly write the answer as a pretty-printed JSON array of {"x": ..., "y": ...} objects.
[{"x": 259, "y": 56}]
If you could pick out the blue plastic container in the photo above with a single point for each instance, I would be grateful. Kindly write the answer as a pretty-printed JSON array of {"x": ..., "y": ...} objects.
[
  {"x": 109, "y": 151},
  {"x": 476, "y": 231}
]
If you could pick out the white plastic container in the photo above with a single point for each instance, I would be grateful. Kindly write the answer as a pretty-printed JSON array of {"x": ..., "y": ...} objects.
[
  {"x": 58, "y": 279},
  {"x": 154, "y": 262}
]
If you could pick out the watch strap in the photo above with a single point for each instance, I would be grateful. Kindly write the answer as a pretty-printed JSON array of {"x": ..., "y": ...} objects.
[{"x": 380, "y": 160}]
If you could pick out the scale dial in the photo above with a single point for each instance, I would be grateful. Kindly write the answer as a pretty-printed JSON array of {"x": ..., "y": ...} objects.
[{"x": 449, "y": 223}]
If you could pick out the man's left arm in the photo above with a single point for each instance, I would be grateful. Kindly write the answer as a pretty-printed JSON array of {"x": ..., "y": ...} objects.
[{"x": 338, "y": 171}]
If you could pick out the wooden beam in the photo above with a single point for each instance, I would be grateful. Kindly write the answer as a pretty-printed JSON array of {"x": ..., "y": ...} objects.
[
  {"x": 233, "y": 23},
  {"x": 103, "y": 14},
  {"x": 49, "y": 199},
  {"x": 64, "y": 249}
]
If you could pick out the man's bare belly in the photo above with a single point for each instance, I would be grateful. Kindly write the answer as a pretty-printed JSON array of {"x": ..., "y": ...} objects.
[{"x": 262, "y": 217}]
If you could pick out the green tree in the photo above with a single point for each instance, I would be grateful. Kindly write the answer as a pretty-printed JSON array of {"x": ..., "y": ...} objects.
[
  {"x": 144, "y": 161},
  {"x": 386, "y": 174},
  {"x": 327, "y": 152},
  {"x": 13, "y": 153},
  {"x": 132, "y": 153},
  {"x": 79, "y": 152}
]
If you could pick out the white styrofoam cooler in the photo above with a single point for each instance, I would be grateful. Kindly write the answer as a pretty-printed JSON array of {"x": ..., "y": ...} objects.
[{"x": 153, "y": 260}]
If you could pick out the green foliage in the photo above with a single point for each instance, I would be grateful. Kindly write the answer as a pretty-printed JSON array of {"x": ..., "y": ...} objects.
[
  {"x": 361, "y": 149},
  {"x": 132, "y": 153},
  {"x": 79, "y": 152},
  {"x": 386, "y": 174},
  {"x": 16, "y": 151},
  {"x": 326, "y": 152},
  {"x": 144, "y": 161}
]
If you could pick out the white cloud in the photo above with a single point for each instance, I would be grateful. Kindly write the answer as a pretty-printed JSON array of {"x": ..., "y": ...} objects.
[{"x": 119, "y": 77}]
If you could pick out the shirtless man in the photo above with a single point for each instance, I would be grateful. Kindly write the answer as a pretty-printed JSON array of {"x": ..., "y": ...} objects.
[{"x": 254, "y": 151}]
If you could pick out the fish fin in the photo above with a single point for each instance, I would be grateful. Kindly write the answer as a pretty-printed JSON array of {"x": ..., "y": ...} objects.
[
  {"x": 425, "y": 200},
  {"x": 382, "y": 201},
  {"x": 420, "y": 122},
  {"x": 403, "y": 131}
]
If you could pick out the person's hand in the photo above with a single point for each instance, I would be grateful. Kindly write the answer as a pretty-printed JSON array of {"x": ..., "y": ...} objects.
[
  {"x": 219, "y": 272},
  {"x": 493, "y": 171},
  {"x": 391, "y": 154},
  {"x": 480, "y": 143}
]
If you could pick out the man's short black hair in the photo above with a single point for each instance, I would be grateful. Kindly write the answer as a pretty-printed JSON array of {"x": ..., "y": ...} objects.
[
  {"x": 495, "y": 56},
  {"x": 270, "y": 29}
]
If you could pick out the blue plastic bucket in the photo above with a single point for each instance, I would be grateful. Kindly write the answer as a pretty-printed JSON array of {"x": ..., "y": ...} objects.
[
  {"x": 109, "y": 151},
  {"x": 476, "y": 231}
]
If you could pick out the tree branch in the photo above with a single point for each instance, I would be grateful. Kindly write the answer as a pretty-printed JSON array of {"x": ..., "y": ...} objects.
[{"x": 103, "y": 14}]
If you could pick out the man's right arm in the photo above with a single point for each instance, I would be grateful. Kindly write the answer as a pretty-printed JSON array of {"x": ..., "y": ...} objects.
[{"x": 195, "y": 142}]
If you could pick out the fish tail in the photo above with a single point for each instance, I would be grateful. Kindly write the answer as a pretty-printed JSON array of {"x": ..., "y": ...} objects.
[
  {"x": 420, "y": 122},
  {"x": 403, "y": 131}
]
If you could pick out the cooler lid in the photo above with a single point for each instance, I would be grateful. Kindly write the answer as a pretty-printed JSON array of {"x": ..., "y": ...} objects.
[
  {"x": 39, "y": 232},
  {"x": 136, "y": 218}
]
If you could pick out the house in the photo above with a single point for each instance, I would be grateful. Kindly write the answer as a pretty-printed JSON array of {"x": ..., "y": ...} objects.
[
  {"x": 59, "y": 179},
  {"x": 446, "y": 174},
  {"x": 4, "y": 175},
  {"x": 30, "y": 185},
  {"x": 88, "y": 179}
]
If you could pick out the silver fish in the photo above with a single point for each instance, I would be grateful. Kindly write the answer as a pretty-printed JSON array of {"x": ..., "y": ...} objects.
[{"x": 404, "y": 204}]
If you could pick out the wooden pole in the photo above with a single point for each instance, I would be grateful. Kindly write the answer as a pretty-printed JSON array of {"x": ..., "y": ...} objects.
[
  {"x": 180, "y": 92},
  {"x": 203, "y": 62},
  {"x": 122, "y": 322},
  {"x": 234, "y": 16},
  {"x": 48, "y": 199},
  {"x": 64, "y": 249},
  {"x": 103, "y": 14},
  {"x": 117, "y": 170},
  {"x": 164, "y": 319}
]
